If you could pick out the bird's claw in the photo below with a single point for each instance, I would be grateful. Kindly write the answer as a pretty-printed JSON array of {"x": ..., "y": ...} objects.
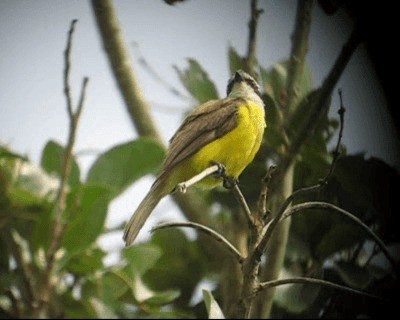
[{"x": 228, "y": 181}]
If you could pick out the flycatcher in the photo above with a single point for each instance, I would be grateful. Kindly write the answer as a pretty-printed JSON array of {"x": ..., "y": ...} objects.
[{"x": 227, "y": 131}]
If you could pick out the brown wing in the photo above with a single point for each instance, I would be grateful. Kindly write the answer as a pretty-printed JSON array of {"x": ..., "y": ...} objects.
[{"x": 206, "y": 123}]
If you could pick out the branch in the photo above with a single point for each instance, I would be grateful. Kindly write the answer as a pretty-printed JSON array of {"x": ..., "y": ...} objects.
[
  {"x": 193, "y": 206},
  {"x": 324, "y": 181},
  {"x": 318, "y": 103},
  {"x": 329, "y": 206},
  {"x": 306, "y": 280},
  {"x": 336, "y": 152},
  {"x": 263, "y": 198},
  {"x": 58, "y": 224},
  {"x": 58, "y": 227},
  {"x": 122, "y": 67},
  {"x": 228, "y": 181},
  {"x": 182, "y": 187},
  {"x": 283, "y": 177},
  {"x": 242, "y": 201},
  {"x": 251, "y": 47},
  {"x": 215, "y": 235},
  {"x": 298, "y": 51},
  {"x": 67, "y": 67}
]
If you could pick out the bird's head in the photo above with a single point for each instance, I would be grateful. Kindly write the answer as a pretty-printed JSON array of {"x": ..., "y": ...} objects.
[{"x": 243, "y": 85}]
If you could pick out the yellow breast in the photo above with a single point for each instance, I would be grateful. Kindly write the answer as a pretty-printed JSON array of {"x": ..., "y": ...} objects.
[{"x": 235, "y": 150}]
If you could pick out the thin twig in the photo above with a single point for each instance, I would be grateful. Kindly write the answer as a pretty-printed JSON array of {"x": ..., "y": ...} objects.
[
  {"x": 215, "y": 235},
  {"x": 78, "y": 112},
  {"x": 336, "y": 152},
  {"x": 65, "y": 170},
  {"x": 182, "y": 187},
  {"x": 67, "y": 66},
  {"x": 328, "y": 206},
  {"x": 306, "y": 280},
  {"x": 242, "y": 201},
  {"x": 59, "y": 225},
  {"x": 142, "y": 60}
]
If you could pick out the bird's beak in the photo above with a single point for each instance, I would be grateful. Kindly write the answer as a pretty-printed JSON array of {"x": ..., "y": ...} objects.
[{"x": 238, "y": 77}]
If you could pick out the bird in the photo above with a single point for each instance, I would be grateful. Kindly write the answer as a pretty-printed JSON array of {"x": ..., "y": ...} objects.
[{"x": 226, "y": 131}]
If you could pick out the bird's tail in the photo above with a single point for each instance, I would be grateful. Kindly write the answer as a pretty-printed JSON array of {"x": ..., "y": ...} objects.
[{"x": 144, "y": 210}]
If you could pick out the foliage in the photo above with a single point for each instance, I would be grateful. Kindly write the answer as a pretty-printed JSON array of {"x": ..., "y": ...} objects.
[{"x": 162, "y": 277}]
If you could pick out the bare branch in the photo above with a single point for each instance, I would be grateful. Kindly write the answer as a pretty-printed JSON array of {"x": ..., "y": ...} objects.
[
  {"x": 120, "y": 60},
  {"x": 250, "y": 59},
  {"x": 228, "y": 181},
  {"x": 298, "y": 52},
  {"x": 182, "y": 187},
  {"x": 328, "y": 206},
  {"x": 68, "y": 155},
  {"x": 336, "y": 152},
  {"x": 78, "y": 112},
  {"x": 59, "y": 225},
  {"x": 215, "y": 235},
  {"x": 306, "y": 280},
  {"x": 242, "y": 201},
  {"x": 67, "y": 66}
]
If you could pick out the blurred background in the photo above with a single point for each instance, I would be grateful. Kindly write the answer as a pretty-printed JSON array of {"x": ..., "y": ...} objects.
[
  {"x": 161, "y": 38},
  {"x": 33, "y": 109}
]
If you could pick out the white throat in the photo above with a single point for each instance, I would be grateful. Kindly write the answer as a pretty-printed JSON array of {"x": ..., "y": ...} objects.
[{"x": 243, "y": 90}]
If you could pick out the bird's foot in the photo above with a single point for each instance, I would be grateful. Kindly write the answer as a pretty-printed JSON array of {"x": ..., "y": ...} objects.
[
  {"x": 221, "y": 172},
  {"x": 228, "y": 181}
]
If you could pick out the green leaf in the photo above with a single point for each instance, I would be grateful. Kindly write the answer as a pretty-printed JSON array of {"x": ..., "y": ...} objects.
[
  {"x": 76, "y": 309},
  {"x": 87, "y": 221},
  {"x": 36, "y": 181},
  {"x": 179, "y": 255},
  {"x": 108, "y": 286},
  {"x": 123, "y": 164},
  {"x": 41, "y": 232},
  {"x": 341, "y": 236},
  {"x": 86, "y": 262},
  {"x": 376, "y": 197},
  {"x": 275, "y": 79},
  {"x": 52, "y": 161},
  {"x": 7, "y": 154},
  {"x": 196, "y": 81},
  {"x": 235, "y": 60},
  {"x": 213, "y": 309},
  {"x": 23, "y": 197},
  {"x": 141, "y": 257},
  {"x": 163, "y": 297}
]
